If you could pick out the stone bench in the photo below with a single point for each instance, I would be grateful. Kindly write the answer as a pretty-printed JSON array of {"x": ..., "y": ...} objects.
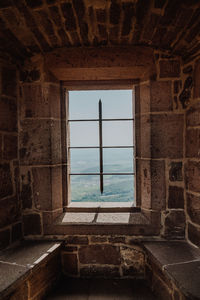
[
  {"x": 29, "y": 270},
  {"x": 173, "y": 269}
]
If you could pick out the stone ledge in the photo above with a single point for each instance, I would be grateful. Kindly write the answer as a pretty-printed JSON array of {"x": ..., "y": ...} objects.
[
  {"x": 179, "y": 262},
  {"x": 19, "y": 263}
]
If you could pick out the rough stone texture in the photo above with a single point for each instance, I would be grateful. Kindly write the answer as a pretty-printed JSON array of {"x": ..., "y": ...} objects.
[
  {"x": 79, "y": 240},
  {"x": 197, "y": 79},
  {"x": 167, "y": 136},
  {"x": 193, "y": 207},
  {"x": 192, "y": 173},
  {"x": 32, "y": 224},
  {"x": 99, "y": 254},
  {"x": 175, "y": 171},
  {"x": 193, "y": 143},
  {"x": 194, "y": 234},
  {"x": 70, "y": 263},
  {"x": 169, "y": 68},
  {"x": 193, "y": 115},
  {"x": 174, "y": 224},
  {"x": 161, "y": 96},
  {"x": 176, "y": 197},
  {"x": 40, "y": 142},
  {"x": 47, "y": 188}
]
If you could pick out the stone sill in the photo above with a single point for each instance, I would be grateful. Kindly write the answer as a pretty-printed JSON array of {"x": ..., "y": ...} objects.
[{"x": 102, "y": 223}]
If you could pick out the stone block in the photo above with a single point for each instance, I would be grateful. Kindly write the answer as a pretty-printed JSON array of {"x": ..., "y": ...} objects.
[
  {"x": 69, "y": 263},
  {"x": 98, "y": 239},
  {"x": 192, "y": 175},
  {"x": 99, "y": 254},
  {"x": 100, "y": 272},
  {"x": 8, "y": 114},
  {"x": 77, "y": 240},
  {"x": 32, "y": 224},
  {"x": 10, "y": 150},
  {"x": 40, "y": 101},
  {"x": 47, "y": 188},
  {"x": 197, "y": 79},
  {"x": 16, "y": 233},
  {"x": 174, "y": 224},
  {"x": 9, "y": 82},
  {"x": 158, "y": 188},
  {"x": 145, "y": 178},
  {"x": 193, "y": 207},
  {"x": 117, "y": 239},
  {"x": 175, "y": 171},
  {"x": 169, "y": 68},
  {"x": 26, "y": 193},
  {"x": 40, "y": 142},
  {"x": 167, "y": 136},
  {"x": 194, "y": 234},
  {"x": 193, "y": 143},
  {"x": 176, "y": 197},
  {"x": 161, "y": 96},
  {"x": 145, "y": 98},
  {"x": 132, "y": 260},
  {"x": 6, "y": 187},
  {"x": 9, "y": 211},
  {"x": 193, "y": 115},
  {"x": 4, "y": 238},
  {"x": 145, "y": 136}
]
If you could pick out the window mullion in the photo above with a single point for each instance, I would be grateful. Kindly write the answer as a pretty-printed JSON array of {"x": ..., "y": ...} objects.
[{"x": 100, "y": 146}]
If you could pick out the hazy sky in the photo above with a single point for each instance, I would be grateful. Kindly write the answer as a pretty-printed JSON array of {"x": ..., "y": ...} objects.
[{"x": 115, "y": 104}]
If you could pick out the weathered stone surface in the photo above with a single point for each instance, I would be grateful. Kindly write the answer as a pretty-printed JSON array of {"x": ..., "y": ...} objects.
[
  {"x": 99, "y": 254},
  {"x": 174, "y": 224},
  {"x": 144, "y": 99},
  {"x": 192, "y": 174},
  {"x": 145, "y": 136},
  {"x": 197, "y": 79},
  {"x": 169, "y": 68},
  {"x": 40, "y": 101},
  {"x": 167, "y": 136},
  {"x": 99, "y": 271},
  {"x": 77, "y": 240},
  {"x": 175, "y": 171},
  {"x": 32, "y": 224},
  {"x": 193, "y": 143},
  {"x": 161, "y": 96},
  {"x": 98, "y": 239},
  {"x": 158, "y": 190},
  {"x": 9, "y": 211},
  {"x": 193, "y": 115},
  {"x": 26, "y": 193},
  {"x": 132, "y": 261},
  {"x": 4, "y": 239},
  {"x": 9, "y": 82},
  {"x": 16, "y": 233},
  {"x": 70, "y": 263},
  {"x": 176, "y": 197},
  {"x": 193, "y": 207},
  {"x": 8, "y": 114},
  {"x": 47, "y": 188},
  {"x": 117, "y": 239},
  {"x": 6, "y": 187},
  {"x": 10, "y": 147},
  {"x": 40, "y": 142},
  {"x": 194, "y": 234}
]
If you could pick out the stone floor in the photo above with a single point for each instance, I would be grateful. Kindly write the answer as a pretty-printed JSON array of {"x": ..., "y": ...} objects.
[{"x": 101, "y": 289}]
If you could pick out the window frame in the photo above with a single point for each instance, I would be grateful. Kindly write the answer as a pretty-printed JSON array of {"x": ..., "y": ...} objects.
[{"x": 100, "y": 86}]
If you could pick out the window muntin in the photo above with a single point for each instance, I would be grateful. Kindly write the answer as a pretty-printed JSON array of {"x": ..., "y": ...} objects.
[{"x": 86, "y": 173}]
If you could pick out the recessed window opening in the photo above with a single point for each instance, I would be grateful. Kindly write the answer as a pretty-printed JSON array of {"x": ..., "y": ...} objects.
[{"x": 101, "y": 146}]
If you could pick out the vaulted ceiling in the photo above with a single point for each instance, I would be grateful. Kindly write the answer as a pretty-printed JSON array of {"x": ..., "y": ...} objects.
[{"x": 28, "y": 27}]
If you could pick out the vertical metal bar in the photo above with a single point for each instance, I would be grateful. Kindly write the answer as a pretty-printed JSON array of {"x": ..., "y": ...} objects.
[{"x": 100, "y": 146}]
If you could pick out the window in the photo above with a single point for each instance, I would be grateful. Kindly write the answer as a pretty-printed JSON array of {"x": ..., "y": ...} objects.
[{"x": 101, "y": 146}]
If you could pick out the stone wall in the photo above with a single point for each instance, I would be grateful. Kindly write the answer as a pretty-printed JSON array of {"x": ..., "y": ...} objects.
[
  {"x": 192, "y": 152},
  {"x": 41, "y": 162},
  {"x": 10, "y": 208},
  {"x": 102, "y": 256},
  {"x": 159, "y": 142}
]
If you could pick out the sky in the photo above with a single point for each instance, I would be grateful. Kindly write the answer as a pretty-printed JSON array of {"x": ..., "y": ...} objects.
[{"x": 115, "y": 104}]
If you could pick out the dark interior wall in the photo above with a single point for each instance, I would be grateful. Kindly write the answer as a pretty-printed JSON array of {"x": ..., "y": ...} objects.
[
  {"x": 192, "y": 151},
  {"x": 10, "y": 208}
]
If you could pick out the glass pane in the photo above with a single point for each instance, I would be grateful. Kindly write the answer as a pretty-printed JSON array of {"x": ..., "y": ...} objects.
[
  {"x": 83, "y": 105},
  {"x": 84, "y": 134},
  {"x": 84, "y": 160},
  {"x": 118, "y": 188},
  {"x": 117, "y": 133},
  {"x": 85, "y": 188},
  {"x": 117, "y": 104},
  {"x": 118, "y": 160}
]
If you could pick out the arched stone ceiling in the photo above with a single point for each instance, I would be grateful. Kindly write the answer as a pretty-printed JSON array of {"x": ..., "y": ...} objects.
[{"x": 29, "y": 27}]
